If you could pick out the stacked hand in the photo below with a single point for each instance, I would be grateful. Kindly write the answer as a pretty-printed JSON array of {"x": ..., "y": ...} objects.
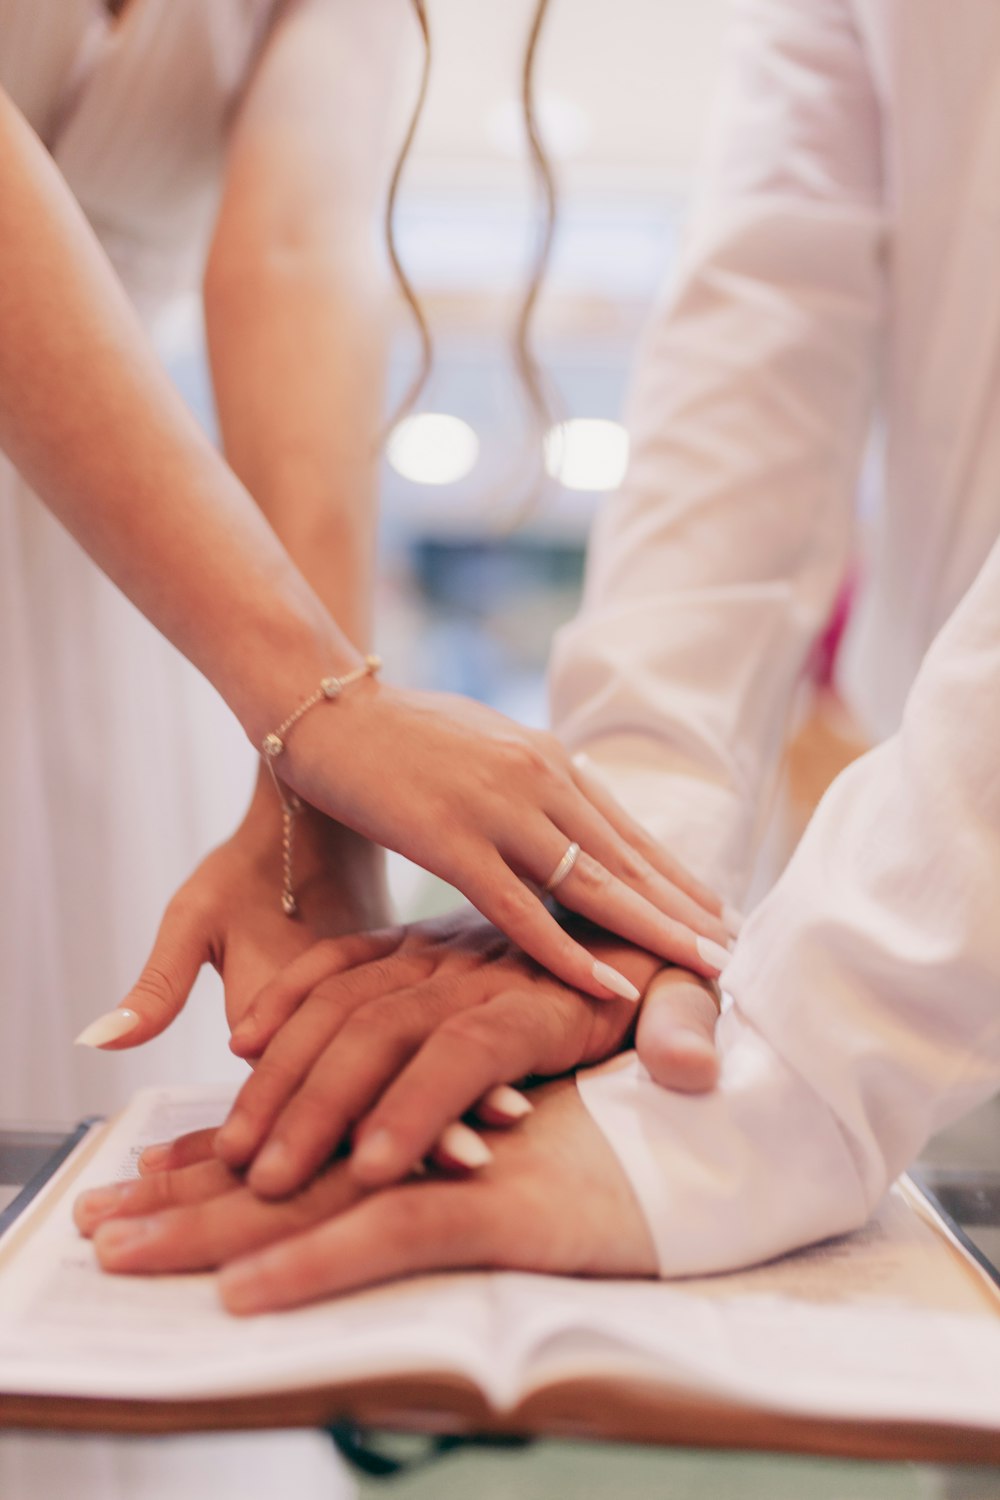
[
  {"x": 378, "y": 1041},
  {"x": 554, "y": 1199},
  {"x": 492, "y": 808},
  {"x": 384, "y": 1038}
]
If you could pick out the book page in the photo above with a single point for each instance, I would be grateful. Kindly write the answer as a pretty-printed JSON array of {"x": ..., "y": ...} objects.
[
  {"x": 888, "y": 1323},
  {"x": 67, "y": 1328},
  {"x": 891, "y": 1322}
]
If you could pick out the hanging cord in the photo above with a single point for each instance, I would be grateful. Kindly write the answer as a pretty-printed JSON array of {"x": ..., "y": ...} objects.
[
  {"x": 426, "y": 360},
  {"x": 541, "y": 399}
]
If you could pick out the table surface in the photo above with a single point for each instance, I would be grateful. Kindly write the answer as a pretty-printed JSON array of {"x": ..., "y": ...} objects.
[{"x": 962, "y": 1165}]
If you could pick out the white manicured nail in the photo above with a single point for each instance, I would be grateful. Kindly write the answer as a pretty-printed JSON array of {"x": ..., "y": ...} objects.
[
  {"x": 504, "y": 1100},
  {"x": 615, "y": 982},
  {"x": 713, "y": 953},
  {"x": 462, "y": 1145},
  {"x": 732, "y": 920},
  {"x": 107, "y": 1028}
]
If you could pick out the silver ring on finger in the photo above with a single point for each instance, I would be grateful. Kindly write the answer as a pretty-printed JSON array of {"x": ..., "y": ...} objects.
[{"x": 563, "y": 868}]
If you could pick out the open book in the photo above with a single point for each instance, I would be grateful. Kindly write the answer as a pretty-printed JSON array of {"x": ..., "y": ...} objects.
[{"x": 883, "y": 1343}]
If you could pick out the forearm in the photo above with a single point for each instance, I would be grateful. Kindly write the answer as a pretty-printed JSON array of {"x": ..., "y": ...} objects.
[
  {"x": 305, "y": 445},
  {"x": 93, "y": 423},
  {"x": 297, "y": 287}
]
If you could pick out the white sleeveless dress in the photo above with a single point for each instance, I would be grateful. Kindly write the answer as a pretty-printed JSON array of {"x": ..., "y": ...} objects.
[{"x": 121, "y": 766}]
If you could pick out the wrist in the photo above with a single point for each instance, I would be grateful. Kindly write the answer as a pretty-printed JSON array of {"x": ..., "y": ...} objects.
[
  {"x": 277, "y": 661},
  {"x": 332, "y": 862}
]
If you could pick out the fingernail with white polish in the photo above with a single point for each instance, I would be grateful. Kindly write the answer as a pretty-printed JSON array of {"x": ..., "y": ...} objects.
[
  {"x": 108, "y": 1028},
  {"x": 615, "y": 982},
  {"x": 503, "y": 1100},
  {"x": 463, "y": 1146},
  {"x": 732, "y": 920},
  {"x": 713, "y": 953}
]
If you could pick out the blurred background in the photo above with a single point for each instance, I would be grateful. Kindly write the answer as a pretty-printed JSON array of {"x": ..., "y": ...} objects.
[{"x": 471, "y": 587}]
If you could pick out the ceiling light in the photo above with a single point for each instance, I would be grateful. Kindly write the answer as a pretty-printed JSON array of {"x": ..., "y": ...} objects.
[
  {"x": 587, "y": 453},
  {"x": 433, "y": 448}
]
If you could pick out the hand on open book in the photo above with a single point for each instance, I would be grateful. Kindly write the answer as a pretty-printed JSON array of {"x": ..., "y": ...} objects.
[
  {"x": 393, "y": 1035},
  {"x": 553, "y": 1199},
  {"x": 228, "y": 914}
]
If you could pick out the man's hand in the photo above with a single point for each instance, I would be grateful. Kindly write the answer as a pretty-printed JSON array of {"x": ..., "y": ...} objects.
[
  {"x": 391, "y": 1036},
  {"x": 228, "y": 914},
  {"x": 553, "y": 1199}
]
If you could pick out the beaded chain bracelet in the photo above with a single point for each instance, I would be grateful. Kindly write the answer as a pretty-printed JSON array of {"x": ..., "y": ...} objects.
[{"x": 273, "y": 745}]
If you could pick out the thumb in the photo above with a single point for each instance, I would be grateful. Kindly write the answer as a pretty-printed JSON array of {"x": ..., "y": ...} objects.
[
  {"x": 159, "y": 994},
  {"x": 675, "y": 1037}
]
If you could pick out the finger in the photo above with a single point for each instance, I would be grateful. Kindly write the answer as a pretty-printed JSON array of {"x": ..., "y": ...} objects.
[
  {"x": 461, "y": 1061},
  {"x": 371, "y": 1049},
  {"x": 286, "y": 1063},
  {"x": 202, "y": 1236},
  {"x": 146, "y": 1195},
  {"x": 604, "y": 844},
  {"x": 281, "y": 997},
  {"x": 588, "y": 779},
  {"x": 509, "y": 904},
  {"x": 503, "y": 1106},
  {"x": 183, "y": 945},
  {"x": 292, "y": 1055},
  {"x": 460, "y": 1150},
  {"x": 196, "y": 1146},
  {"x": 595, "y": 893},
  {"x": 418, "y": 1227},
  {"x": 675, "y": 1037}
]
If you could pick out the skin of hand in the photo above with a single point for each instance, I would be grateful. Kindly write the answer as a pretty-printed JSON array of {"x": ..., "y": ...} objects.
[
  {"x": 388, "y": 1037},
  {"x": 553, "y": 1199},
  {"x": 228, "y": 914},
  {"x": 491, "y": 807}
]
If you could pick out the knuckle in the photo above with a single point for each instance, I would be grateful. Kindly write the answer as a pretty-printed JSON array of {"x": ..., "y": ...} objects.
[
  {"x": 511, "y": 904},
  {"x": 383, "y": 1025},
  {"x": 486, "y": 1036},
  {"x": 633, "y": 867},
  {"x": 273, "y": 1077},
  {"x": 596, "y": 877},
  {"x": 312, "y": 1106},
  {"x": 530, "y": 759},
  {"x": 379, "y": 974}
]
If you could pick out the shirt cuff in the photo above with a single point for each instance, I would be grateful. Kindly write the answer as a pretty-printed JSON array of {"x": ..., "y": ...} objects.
[{"x": 726, "y": 1179}]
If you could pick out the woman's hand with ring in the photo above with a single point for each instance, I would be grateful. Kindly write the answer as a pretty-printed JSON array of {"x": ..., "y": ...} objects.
[{"x": 493, "y": 808}]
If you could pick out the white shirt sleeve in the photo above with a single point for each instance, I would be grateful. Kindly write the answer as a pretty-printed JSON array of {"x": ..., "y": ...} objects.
[
  {"x": 866, "y": 990},
  {"x": 713, "y": 571}
]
